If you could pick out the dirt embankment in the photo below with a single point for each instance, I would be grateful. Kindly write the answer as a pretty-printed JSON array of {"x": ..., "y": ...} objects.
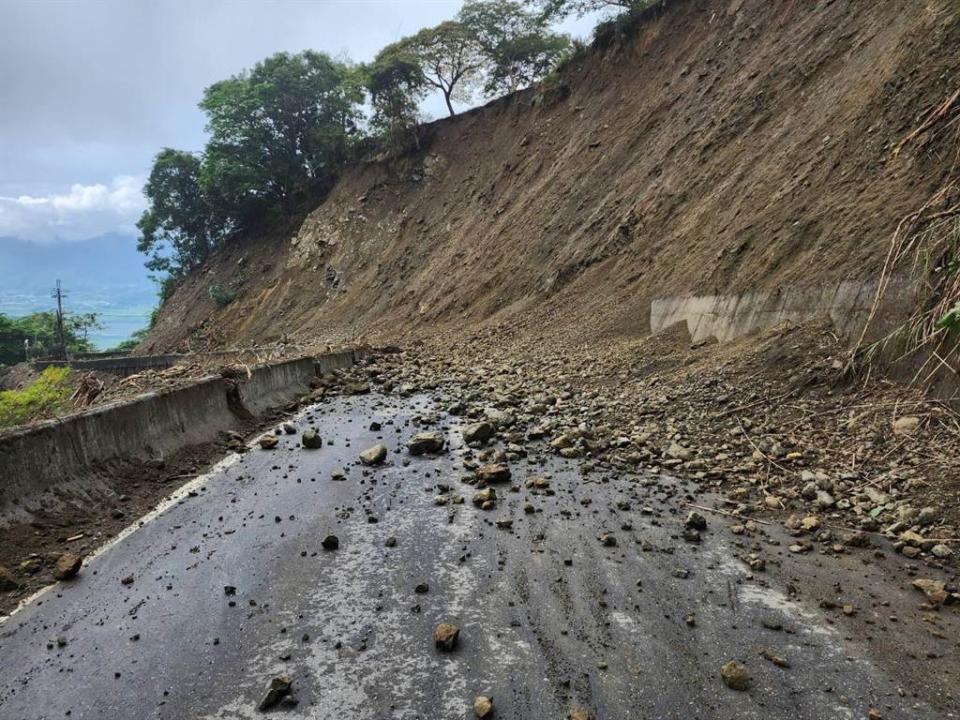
[{"x": 729, "y": 145}]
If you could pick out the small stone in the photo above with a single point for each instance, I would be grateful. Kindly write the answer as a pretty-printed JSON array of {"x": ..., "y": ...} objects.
[
  {"x": 935, "y": 590},
  {"x": 505, "y": 524},
  {"x": 426, "y": 442},
  {"x": 493, "y": 473},
  {"x": 485, "y": 498},
  {"x": 696, "y": 521},
  {"x": 735, "y": 675},
  {"x": 311, "y": 439},
  {"x": 68, "y": 565},
  {"x": 128, "y": 580},
  {"x": 330, "y": 542},
  {"x": 375, "y": 455},
  {"x": 482, "y": 706},
  {"x": 268, "y": 442},
  {"x": 279, "y": 688},
  {"x": 941, "y": 551},
  {"x": 390, "y": 542},
  {"x": 608, "y": 539},
  {"x": 579, "y": 714},
  {"x": 906, "y": 425},
  {"x": 478, "y": 432},
  {"x": 445, "y": 636}
]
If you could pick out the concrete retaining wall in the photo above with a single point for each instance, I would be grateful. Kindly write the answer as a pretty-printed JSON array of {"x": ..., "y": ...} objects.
[
  {"x": 725, "y": 317},
  {"x": 60, "y": 452}
]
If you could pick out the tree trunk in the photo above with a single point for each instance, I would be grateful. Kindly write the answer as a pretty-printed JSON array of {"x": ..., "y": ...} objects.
[{"x": 446, "y": 96}]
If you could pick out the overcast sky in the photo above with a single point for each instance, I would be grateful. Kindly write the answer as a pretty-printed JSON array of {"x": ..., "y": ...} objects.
[{"x": 90, "y": 90}]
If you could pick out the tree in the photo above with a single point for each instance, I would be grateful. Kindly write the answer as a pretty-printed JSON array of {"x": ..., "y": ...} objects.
[
  {"x": 557, "y": 9},
  {"x": 396, "y": 84},
  {"x": 278, "y": 130},
  {"x": 40, "y": 329},
  {"x": 449, "y": 57},
  {"x": 181, "y": 226},
  {"x": 516, "y": 44}
]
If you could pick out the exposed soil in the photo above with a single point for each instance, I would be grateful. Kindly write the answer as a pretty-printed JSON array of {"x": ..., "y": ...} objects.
[{"x": 729, "y": 146}]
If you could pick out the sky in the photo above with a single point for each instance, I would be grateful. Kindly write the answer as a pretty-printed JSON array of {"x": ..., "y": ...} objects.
[{"x": 90, "y": 90}]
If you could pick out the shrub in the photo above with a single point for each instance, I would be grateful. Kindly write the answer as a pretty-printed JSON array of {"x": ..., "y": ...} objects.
[
  {"x": 44, "y": 396},
  {"x": 223, "y": 296}
]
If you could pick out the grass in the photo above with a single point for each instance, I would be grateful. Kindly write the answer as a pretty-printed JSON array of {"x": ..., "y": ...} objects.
[{"x": 43, "y": 397}]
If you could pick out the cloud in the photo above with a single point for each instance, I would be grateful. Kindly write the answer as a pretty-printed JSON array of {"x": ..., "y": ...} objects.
[{"x": 84, "y": 211}]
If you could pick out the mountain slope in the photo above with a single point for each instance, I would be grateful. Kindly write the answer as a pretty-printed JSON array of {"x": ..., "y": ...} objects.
[{"x": 729, "y": 145}]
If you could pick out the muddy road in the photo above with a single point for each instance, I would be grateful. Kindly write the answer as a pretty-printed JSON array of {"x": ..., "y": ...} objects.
[{"x": 193, "y": 612}]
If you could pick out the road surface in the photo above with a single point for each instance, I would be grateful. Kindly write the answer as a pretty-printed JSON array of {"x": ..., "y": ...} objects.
[{"x": 551, "y": 618}]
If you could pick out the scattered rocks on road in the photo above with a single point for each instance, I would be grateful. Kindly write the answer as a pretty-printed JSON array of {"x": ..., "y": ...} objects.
[{"x": 268, "y": 442}]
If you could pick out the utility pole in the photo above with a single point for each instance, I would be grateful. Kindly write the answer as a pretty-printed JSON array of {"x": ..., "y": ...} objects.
[{"x": 61, "y": 335}]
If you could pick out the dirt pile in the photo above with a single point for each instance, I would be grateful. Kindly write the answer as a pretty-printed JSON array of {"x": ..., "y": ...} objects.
[{"x": 729, "y": 145}]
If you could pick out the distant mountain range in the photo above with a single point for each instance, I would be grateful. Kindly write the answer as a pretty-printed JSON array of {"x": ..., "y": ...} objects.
[{"x": 104, "y": 274}]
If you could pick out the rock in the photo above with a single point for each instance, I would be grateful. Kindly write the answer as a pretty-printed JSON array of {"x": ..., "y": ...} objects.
[
  {"x": 912, "y": 538},
  {"x": 485, "y": 498},
  {"x": 906, "y": 425},
  {"x": 679, "y": 452},
  {"x": 67, "y": 566},
  {"x": 493, "y": 473},
  {"x": 608, "y": 539},
  {"x": 426, "y": 442},
  {"x": 696, "y": 521},
  {"x": 375, "y": 455},
  {"x": 330, "y": 542},
  {"x": 478, "y": 432},
  {"x": 579, "y": 714},
  {"x": 390, "y": 542},
  {"x": 289, "y": 428},
  {"x": 825, "y": 499},
  {"x": 445, "y": 636},
  {"x": 482, "y": 706},
  {"x": 268, "y": 442},
  {"x": 8, "y": 583},
  {"x": 941, "y": 551},
  {"x": 810, "y": 523},
  {"x": 126, "y": 580},
  {"x": 735, "y": 675},
  {"x": 505, "y": 524},
  {"x": 311, "y": 439},
  {"x": 279, "y": 688},
  {"x": 774, "y": 658},
  {"x": 935, "y": 590}
]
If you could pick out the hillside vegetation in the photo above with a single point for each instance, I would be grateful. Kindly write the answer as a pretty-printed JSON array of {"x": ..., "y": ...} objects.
[{"x": 719, "y": 146}]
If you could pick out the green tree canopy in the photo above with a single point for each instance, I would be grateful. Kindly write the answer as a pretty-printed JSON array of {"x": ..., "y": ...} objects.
[
  {"x": 557, "y": 9},
  {"x": 181, "y": 224},
  {"x": 396, "y": 84},
  {"x": 40, "y": 329},
  {"x": 449, "y": 57},
  {"x": 516, "y": 44},
  {"x": 278, "y": 130}
]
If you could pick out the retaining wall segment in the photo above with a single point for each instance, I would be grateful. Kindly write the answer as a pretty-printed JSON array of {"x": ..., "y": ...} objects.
[{"x": 59, "y": 452}]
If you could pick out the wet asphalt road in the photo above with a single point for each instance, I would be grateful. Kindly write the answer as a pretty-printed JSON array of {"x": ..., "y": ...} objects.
[{"x": 551, "y": 619}]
